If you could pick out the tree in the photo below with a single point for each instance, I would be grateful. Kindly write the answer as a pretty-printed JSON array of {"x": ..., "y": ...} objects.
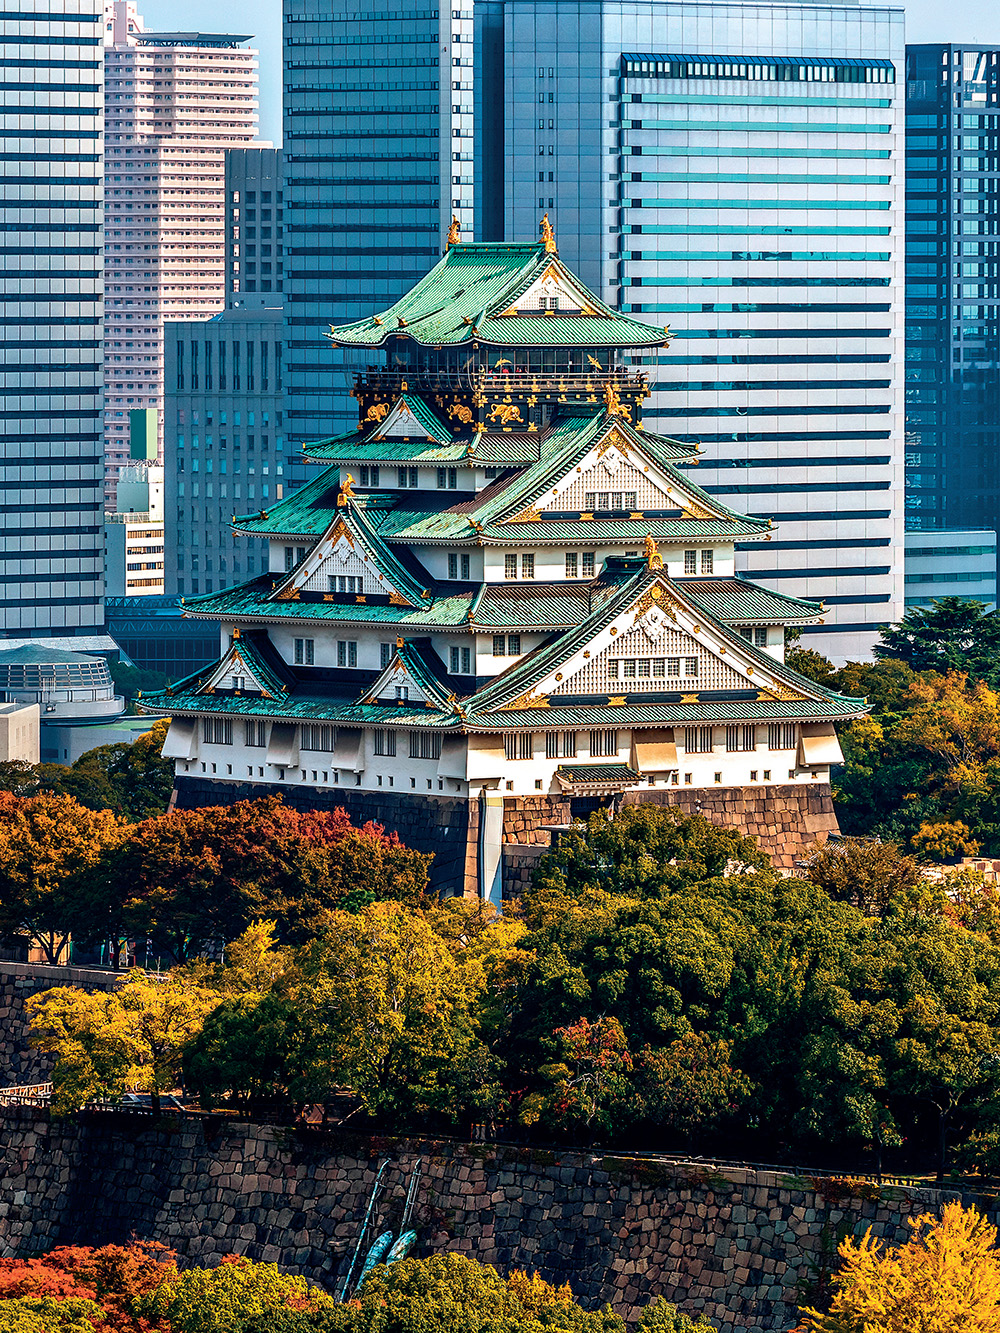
[
  {"x": 589, "y": 1082},
  {"x": 953, "y": 634},
  {"x": 238, "y": 1294},
  {"x": 108, "y": 1043},
  {"x": 689, "y": 1083},
  {"x": 943, "y": 840},
  {"x": 865, "y": 872},
  {"x": 130, "y": 778},
  {"x": 111, "y": 1280},
  {"x": 946, "y": 1277},
  {"x": 813, "y": 665},
  {"x": 53, "y": 854}
]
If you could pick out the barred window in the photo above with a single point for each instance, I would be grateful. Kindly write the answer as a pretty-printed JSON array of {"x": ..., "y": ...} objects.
[
  {"x": 369, "y": 476},
  {"x": 587, "y": 564},
  {"x": 519, "y": 745},
  {"x": 385, "y": 741},
  {"x": 560, "y": 745},
  {"x": 347, "y": 653},
  {"x": 690, "y": 562},
  {"x": 610, "y": 500},
  {"x": 707, "y": 562},
  {"x": 640, "y": 668},
  {"x": 345, "y": 583},
  {"x": 461, "y": 661},
  {"x": 741, "y": 737},
  {"x": 510, "y": 566},
  {"x": 603, "y": 744},
  {"x": 447, "y": 478},
  {"x": 698, "y": 740},
  {"x": 255, "y": 734},
  {"x": 572, "y": 564},
  {"x": 318, "y": 737},
  {"x": 781, "y": 736},
  {"x": 217, "y": 730},
  {"x": 425, "y": 745},
  {"x": 406, "y": 477},
  {"x": 527, "y": 566}
]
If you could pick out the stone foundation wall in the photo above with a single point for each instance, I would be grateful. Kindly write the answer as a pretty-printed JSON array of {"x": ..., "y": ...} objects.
[
  {"x": 428, "y": 823},
  {"x": 744, "y": 1247},
  {"x": 19, "y": 1064},
  {"x": 523, "y": 817}
]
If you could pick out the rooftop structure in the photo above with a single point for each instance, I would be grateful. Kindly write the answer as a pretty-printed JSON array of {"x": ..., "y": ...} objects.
[
  {"x": 74, "y": 694},
  {"x": 500, "y": 591}
]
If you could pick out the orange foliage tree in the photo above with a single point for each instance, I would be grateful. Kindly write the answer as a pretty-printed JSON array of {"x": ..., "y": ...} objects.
[{"x": 55, "y": 857}]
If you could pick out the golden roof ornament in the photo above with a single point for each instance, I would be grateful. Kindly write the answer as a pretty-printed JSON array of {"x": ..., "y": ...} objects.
[
  {"x": 346, "y": 491},
  {"x": 549, "y": 236},
  {"x": 612, "y": 400},
  {"x": 653, "y": 558},
  {"x": 454, "y": 232}
]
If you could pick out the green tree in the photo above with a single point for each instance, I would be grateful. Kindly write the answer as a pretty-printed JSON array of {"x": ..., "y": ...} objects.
[
  {"x": 237, "y": 1295},
  {"x": 866, "y": 872},
  {"x": 49, "y": 1314},
  {"x": 130, "y": 778},
  {"x": 953, "y": 634}
]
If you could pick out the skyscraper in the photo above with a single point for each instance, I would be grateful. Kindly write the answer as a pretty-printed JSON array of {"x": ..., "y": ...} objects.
[
  {"x": 378, "y": 143},
  {"x": 174, "y": 102},
  {"x": 734, "y": 171},
  {"x": 51, "y": 459},
  {"x": 952, "y": 293}
]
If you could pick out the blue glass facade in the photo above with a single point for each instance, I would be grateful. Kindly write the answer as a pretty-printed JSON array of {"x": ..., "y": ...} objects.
[
  {"x": 734, "y": 171},
  {"x": 378, "y": 133},
  {"x": 952, "y": 292},
  {"x": 51, "y": 454}
]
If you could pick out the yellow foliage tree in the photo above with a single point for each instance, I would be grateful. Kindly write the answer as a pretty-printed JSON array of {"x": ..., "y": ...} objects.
[
  {"x": 946, "y": 1278},
  {"x": 958, "y": 721}
]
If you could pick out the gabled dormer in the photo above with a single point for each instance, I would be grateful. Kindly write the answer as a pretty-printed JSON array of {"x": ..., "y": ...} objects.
[
  {"x": 410, "y": 677},
  {"x": 408, "y": 418}
]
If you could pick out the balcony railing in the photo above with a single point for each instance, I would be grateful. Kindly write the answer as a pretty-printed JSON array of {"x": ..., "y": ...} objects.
[{"x": 548, "y": 383}]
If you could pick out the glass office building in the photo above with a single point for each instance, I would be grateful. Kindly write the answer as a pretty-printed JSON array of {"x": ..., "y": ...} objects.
[
  {"x": 51, "y": 454},
  {"x": 734, "y": 171},
  {"x": 952, "y": 292},
  {"x": 378, "y": 138}
]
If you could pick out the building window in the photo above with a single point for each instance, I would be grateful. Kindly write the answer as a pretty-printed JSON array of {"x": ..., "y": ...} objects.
[
  {"x": 640, "y": 668},
  {"x": 587, "y": 564},
  {"x": 289, "y": 559},
  {"x": 385, "y": 652},
  {"x": 461, "y": 661},
  {"x": 347, "y": 653},
  {"x": 560, "y": 745},
  {"x": 305, "y": 652},
  {"x": 690, "y": 562},
  {"x": 781, "y": 736},
  {"x": 345, "y": 583},
  {"x": 707, "y": 562},
  {"x": 527, "y": 566},
  {"x": 217, "y": 730},
  {"x": 447, "y": 478},
  {"x": 756, "y": 635},
  {"x": 603, "y": 744},
  {"x": 369, "y": 476},
  {"x": 519, "y": 745},
  {"x": 506, "y": 645},
  {"x": 255, "y": 734},
  {"x": 323, "y": 738},
  {"x": 402, "y": 694},
  {"x": 385, "y": 741},
  {"x": 604, "y": 500},
  {"x": 572, "y": 565},
  {"x": 510, "y": 566},
  {"x": 741, "y": 737},
  {"x": 459, "y": 567},
  {"x": 406, "y": 477},
  {"x": 424, "y": 745},
  {"x": 698, "y": 740}
]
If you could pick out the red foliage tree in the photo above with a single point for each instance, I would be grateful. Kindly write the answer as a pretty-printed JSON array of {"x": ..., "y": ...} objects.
[{"x": 117, "y": 1277}]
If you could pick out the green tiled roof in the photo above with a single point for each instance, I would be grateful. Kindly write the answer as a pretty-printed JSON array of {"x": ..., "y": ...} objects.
[
  {"x": 597, "y": 775},
  {"x": 736, "y": 599},
  {"x": 301, "y": 706},
  {"x": 664, "y": 714},
  {"x": 415, "y": 658},
  {"x": 462, "y": 298},
  {"x": 305, "y": 513},
  {"x": 561, "y": 530},
  {"x": 251, "y": 600}
]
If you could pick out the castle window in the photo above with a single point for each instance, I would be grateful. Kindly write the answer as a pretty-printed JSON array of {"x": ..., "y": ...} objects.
[
  {"x": 322, "y": 738},
  {"x": 305, "y": 652},
  {"x": 385, "y": 741},
  {"x": 385, "y": 651},
  {"x": 402, "y": 693},
  {"x": 345, "y": 583},
  {"x": 347, "y": 653},
  {"x": 459, "y": 567},
  {"x": 690, "y": 562},
  {"x": 461, "y": 661},
  {"x": 560, "y": 745},
  {"x": 707, "y": 562},
  {"x": 781, "y": 736},
  {"x": 369, "y": 476},
  {"x": 506, "y": 645},
  {"x": 603, "y": 744},
  {"x": 741, "y": 737},
  {"x": 587, "y": 564},
  {"x": 217, "y": 730},
  {"x": 520, "y": 745},
  {"x": 406, "y": 477},
  {"x": 605, "y": 500},
  {"x": 698, "y": 740},
  {"x": 510, "y": 566},
  {"x": 424, "y": 745},
  {"x": 447, "y": 478},
  {"x": 572, "y": 563},
  {"x": 527, "y": 566},
  {"x": 255, "y": 734},
  {"x": 289, "y": 559}
]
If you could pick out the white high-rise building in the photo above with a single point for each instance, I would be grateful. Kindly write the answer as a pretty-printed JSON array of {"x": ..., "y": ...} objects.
[
  {"x": 175, "y": 101},
  {"x": 735, "y": 171}
]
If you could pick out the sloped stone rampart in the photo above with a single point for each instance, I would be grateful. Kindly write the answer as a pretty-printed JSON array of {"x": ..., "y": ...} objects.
[
  {"x": 19, "y": 1064},
  {"x": 740, "y": 1245}
]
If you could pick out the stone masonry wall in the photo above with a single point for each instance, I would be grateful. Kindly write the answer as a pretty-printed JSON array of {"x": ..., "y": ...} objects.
[
  {"x": 744, "y": 1247},
  {"x": 19, "y": 1064}
]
